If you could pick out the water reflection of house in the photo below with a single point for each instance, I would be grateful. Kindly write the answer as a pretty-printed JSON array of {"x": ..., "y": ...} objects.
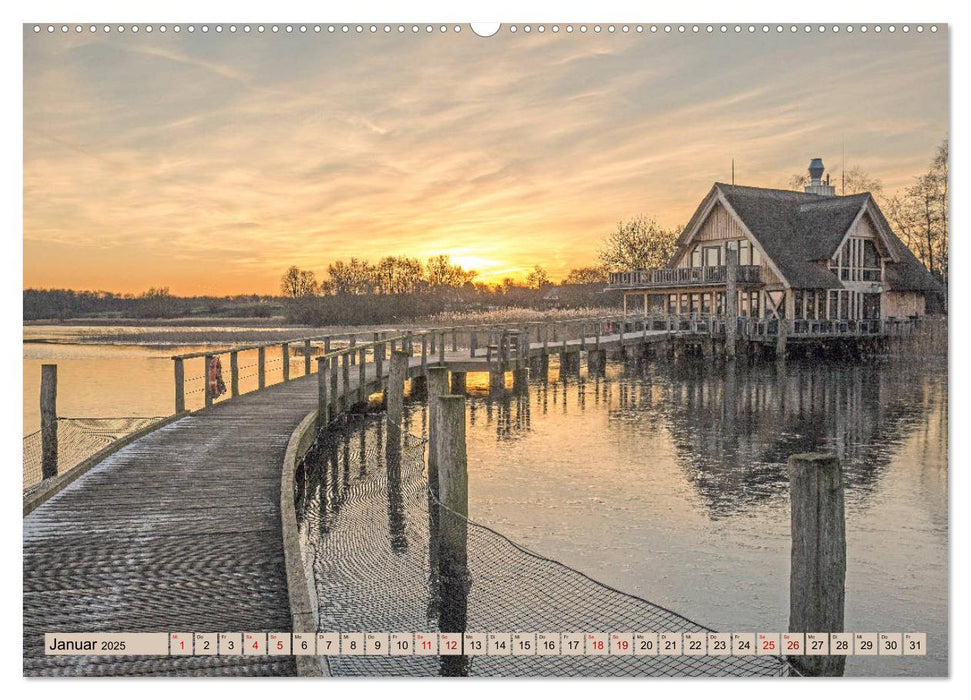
[
  {"x": 802, "y": 255},
  {"x": 734, "y": 433}
]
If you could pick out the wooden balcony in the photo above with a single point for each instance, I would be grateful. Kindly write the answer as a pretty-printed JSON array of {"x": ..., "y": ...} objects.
[{"x": 659, "y": 278}]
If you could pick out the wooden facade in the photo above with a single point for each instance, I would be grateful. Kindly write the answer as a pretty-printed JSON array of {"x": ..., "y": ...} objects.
[{"x": 847, "y": 281}]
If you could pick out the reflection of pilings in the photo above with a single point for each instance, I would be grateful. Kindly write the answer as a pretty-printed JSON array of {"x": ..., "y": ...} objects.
[
  {"x": 497, "y": 381},
  {"x": 419, "y": 387},
  {"x": 596, "y": 362},
  {"x": 396, "y": 511},
  {"x": 817, "y": 586},
  {"x": 520, "y": 380}
]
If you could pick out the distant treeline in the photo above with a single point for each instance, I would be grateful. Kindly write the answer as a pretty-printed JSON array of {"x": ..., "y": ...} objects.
[
  {"x": 155, "y": 303},
  {"x": 374, "y": 308}
]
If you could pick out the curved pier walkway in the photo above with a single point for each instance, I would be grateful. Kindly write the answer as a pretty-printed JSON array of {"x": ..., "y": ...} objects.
[{"x": 179, "y": 531}]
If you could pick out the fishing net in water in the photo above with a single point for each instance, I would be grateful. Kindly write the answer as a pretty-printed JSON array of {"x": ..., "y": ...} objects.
[
  {"x": 365, "y": 523},
  {"x": 77, "y": 439}
]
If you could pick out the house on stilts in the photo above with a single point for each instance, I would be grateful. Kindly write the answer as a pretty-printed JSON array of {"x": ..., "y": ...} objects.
[{"x": 802, "y": 256}]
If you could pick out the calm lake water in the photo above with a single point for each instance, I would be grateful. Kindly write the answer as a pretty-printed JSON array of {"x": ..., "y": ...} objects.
[{"x": 669, "y": 482}]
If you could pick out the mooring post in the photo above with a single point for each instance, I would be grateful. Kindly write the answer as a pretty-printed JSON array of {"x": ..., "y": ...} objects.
[
  {"x": 780, "y": 339},
  {"x": 458, "y": 383},
  {"x": 179, "y": 384},
  {"x": 323, "y": 408},
  {"x": 395, "y": 397},
  {"x": 205, "y": 380},
  {"x": 234, "y": 373},
  {"x": 362, "y": 375},
  {"x": 327, "y": 345},
  {"x": 817, "y": 583},
  {"x": 379, "y": 362},
  {"x": 286, "y": 362},
  {"x": 731, "y": 304},
  {"x": 48, "y": 420},
  {"x": 261, "y": 367},
  {"x": 437, "y": 387},
  {"x": 453, "y": 480},
  {"x": 307, "y": 349}
]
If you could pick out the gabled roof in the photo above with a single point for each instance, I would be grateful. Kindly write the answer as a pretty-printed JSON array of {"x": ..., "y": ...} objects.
[{"x": 797, "y": 229}]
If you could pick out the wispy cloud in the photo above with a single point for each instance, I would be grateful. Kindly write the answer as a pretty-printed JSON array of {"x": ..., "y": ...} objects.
[{"x": 211, "y": 163}]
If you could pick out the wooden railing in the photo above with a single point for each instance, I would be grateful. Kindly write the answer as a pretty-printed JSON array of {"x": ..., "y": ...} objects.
[
  {"x": 497, "y": 344},
  {"x": 681, "y": 277}
]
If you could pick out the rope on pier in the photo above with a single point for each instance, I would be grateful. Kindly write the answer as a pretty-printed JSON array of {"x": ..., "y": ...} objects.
[
  {"x": 77, "y": 439},
  {"x": 365, "y": 528}
]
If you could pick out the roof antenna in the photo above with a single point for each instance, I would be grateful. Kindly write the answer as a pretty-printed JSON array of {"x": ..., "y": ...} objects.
[
  {"x": 733, "y": 171},
  {"x": 843, "y": 173}
]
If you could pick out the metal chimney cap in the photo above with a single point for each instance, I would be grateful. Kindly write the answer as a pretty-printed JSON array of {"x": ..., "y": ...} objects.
[{"x": 816, "y": 168}]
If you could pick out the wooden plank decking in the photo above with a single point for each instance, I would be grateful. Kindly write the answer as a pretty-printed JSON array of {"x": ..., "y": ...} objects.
[{"x": 180, "y": 531}]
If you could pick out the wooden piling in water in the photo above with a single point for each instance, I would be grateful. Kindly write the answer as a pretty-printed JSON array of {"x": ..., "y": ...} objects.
[
  {"x": 437, "y": 387},
  {"x": 780, "y": 339},
  {"x": 731, "y": 310},
  {"x": 48, "y": 420},
  {"x": 334, "y": 394},
  {"x": 179, "y": 367},
  {"x": 379, "y": 362},
  {"x": 453, "y": 480},
  {"x": 520, "y": 379},
  {"x": 346, "y": 380},
  {"x": 362, "y": 375},
  {"x": 817, "y": 584},
  {"x": 395, "y": 396},
  {"x": 458, "y": 383}
]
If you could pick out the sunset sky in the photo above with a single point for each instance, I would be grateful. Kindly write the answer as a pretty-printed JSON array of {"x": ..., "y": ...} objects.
[{"x": 209, "y": 163}]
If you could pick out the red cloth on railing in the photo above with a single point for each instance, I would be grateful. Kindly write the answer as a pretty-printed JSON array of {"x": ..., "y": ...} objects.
[{"x": 215, "y": 377}]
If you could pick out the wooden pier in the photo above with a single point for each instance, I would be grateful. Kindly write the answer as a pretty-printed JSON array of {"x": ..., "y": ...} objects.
[{"x": 183, "y": 529}]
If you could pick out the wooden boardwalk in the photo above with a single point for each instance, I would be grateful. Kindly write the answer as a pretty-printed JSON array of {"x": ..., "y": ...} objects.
[{"x": 180, "y": 531}]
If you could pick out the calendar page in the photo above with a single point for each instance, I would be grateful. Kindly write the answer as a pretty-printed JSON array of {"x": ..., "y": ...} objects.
[{"x": 524, "y": 349}]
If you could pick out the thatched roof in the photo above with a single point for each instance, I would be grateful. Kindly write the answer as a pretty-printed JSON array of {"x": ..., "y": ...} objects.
[{"x": 800, "y": 232}]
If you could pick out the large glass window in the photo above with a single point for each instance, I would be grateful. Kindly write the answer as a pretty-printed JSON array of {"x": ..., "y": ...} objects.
[
  {"x": 797, "y": 300},
  {"x": 672, "y": 303},
  {"x": 756, "y": 256},
  {"x": 844, "y": 305},
  {"x": 696, "y": 257},
  {"x": 833, "y": 305},
  {"x": 684, "y": 304},
  {"x": 712, "y": 256},
  {"x": 706, "y": 303},
  {"x": 810, "y": 305}
]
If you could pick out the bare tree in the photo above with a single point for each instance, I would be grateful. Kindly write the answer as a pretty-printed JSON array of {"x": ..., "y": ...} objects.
[
  {"x": 587, "y": 275},
  {"x": 538, "y": 278},
  {"x": 298, "y": 283},
  {"x": 440, "y": 272},
  {"x": 638, "y": 244}
]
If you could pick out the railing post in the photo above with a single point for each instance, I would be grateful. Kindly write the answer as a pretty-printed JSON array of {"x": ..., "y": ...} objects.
[
  {"x": 441, "y": 349},
  {"x": 472, "y": 343},
  {"x": 306, "y": 357},
  {"x": 546, "y": 338},
  {"x": 597, "y": 331},
  {"x": 323, "y": 407},
  {"x": 179, "y": 385},
  {"x": 566, "y": 336},
  {"x": 205, "y": 380},
  {"x": 48, "y": 421},
  {"x": 352, "y": 343},
  {"x": 817, "y": 583},
  {"x": 431, "y": 340},
  {"x": 362, "y": 375},
  {"x": 286, "y": 361},
  {"x": 327, "y": 345},
  {"x": 379, "y": 362},
  {"x": 455, "y": 346},
  {"x": 234, "y": 373},
  {"x": 261, "y": 367}
]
